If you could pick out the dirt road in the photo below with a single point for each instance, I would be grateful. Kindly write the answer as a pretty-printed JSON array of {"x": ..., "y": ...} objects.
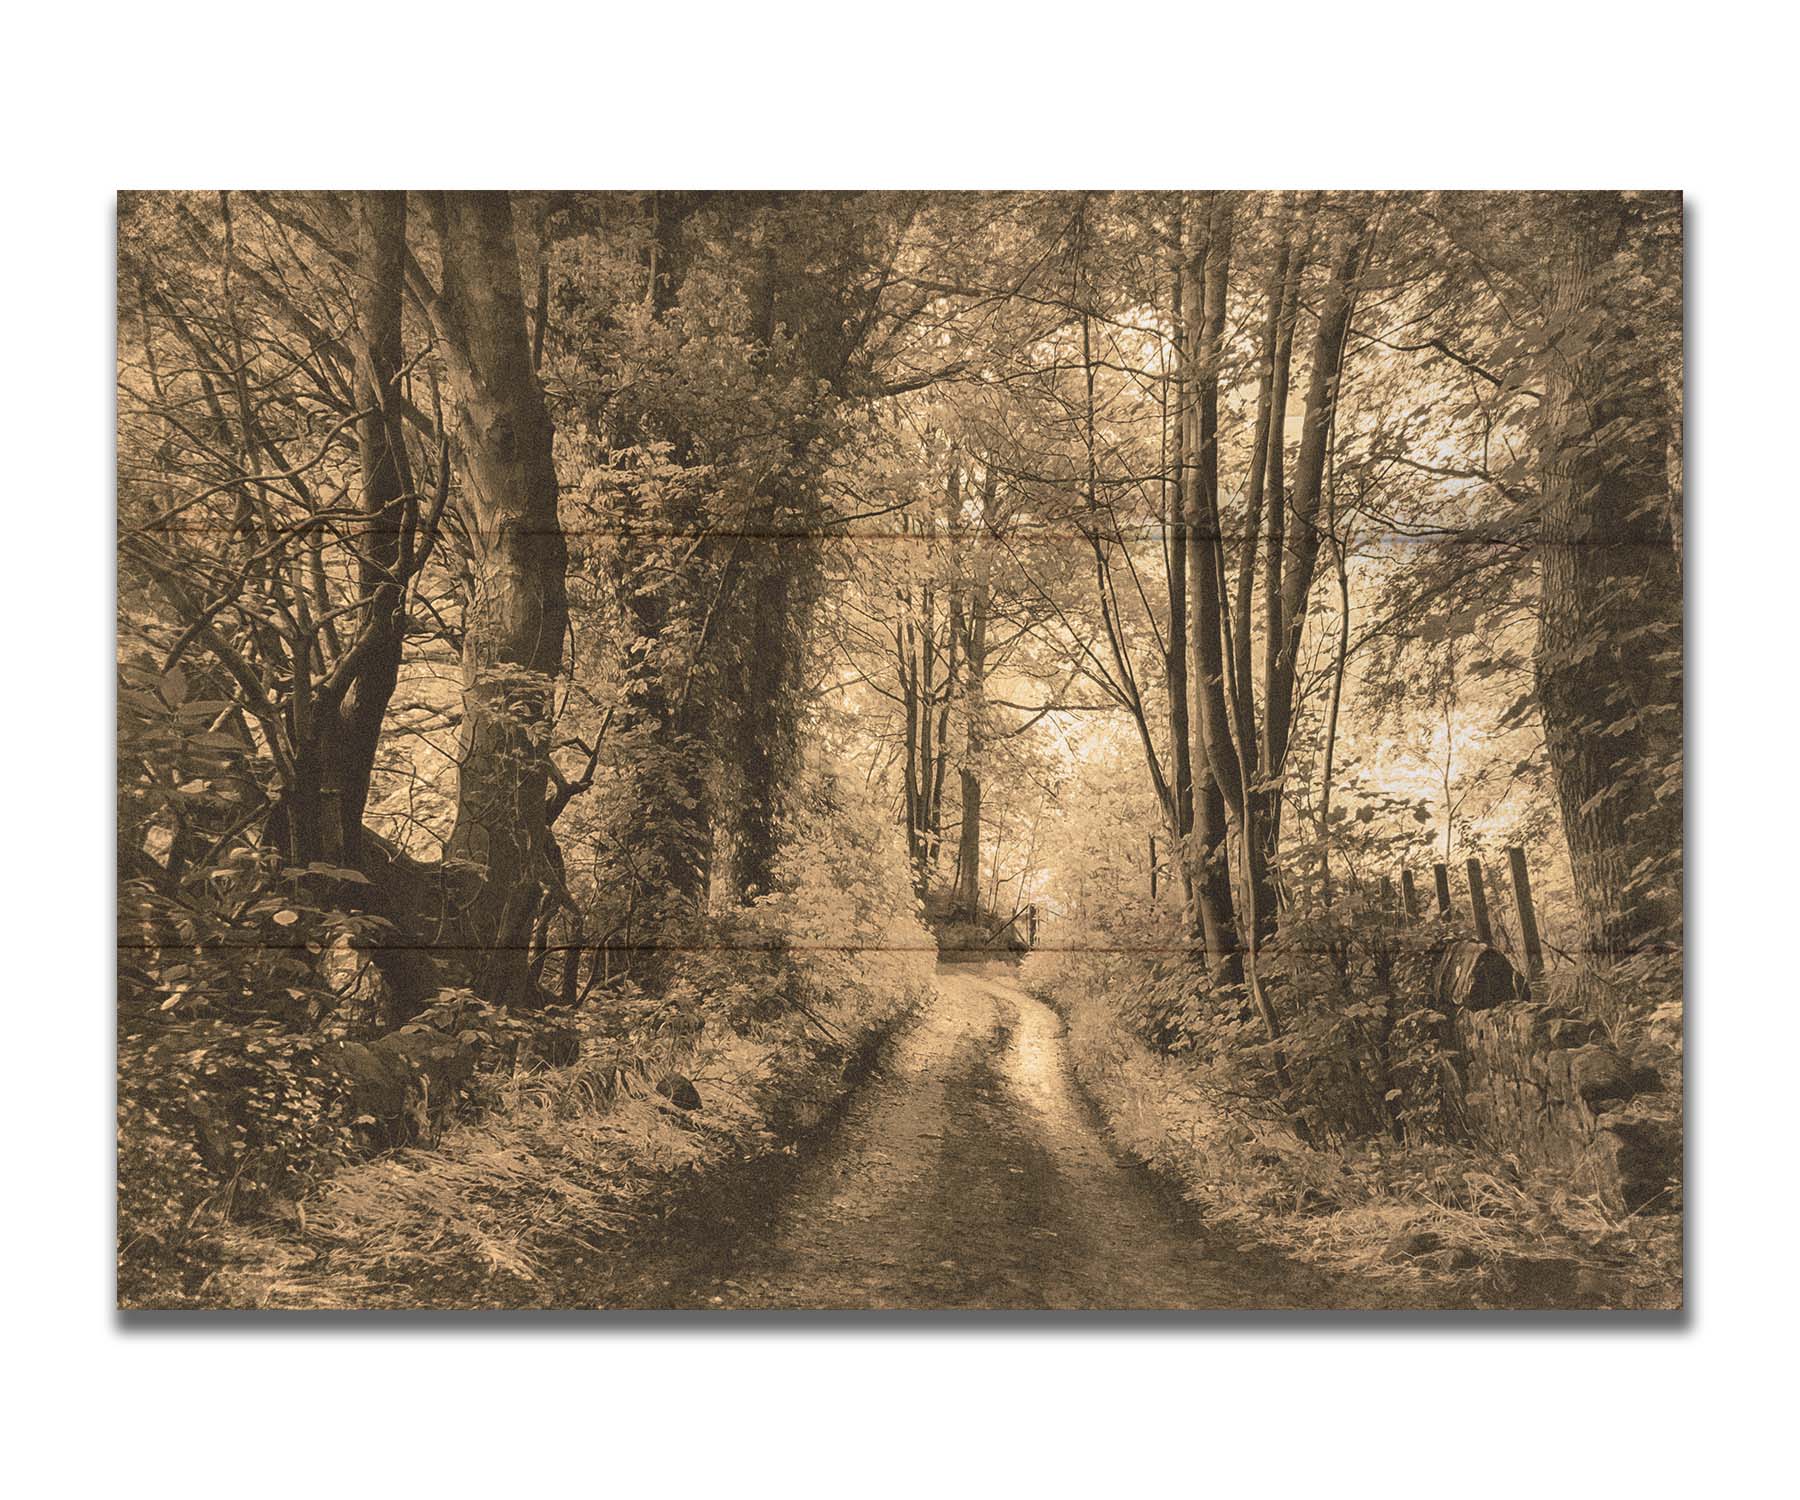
[{"x": 970, "y": 1173}]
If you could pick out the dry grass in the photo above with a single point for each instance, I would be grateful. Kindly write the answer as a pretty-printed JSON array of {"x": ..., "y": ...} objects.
[
  {"x": 1489, "y": 1225},
  {"x": 490, "y": 1214}
]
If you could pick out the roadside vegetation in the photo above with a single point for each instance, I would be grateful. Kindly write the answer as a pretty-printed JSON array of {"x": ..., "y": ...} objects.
[
  {"x": 1458, "y": 1216},
  {"x": 578, "y": 653},
  {"x": 504, "y": 1192}
]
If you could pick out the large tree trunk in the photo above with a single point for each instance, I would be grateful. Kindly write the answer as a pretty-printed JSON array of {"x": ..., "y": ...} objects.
[
  {"x": 768, "y": 731},
  {"x": 1215, "y": 801},
  {"x": 968, "y": 839},
  {"x": 779, "y": 582},
  {"x": 799, "y": 319},
  {"x": 782, "y": 588},
  {"x": 517, "y": 619},
  {"x": 930, "y": 745},
  {"x": 347, "y": 749},
  {"x": 1608, "y": 662}
]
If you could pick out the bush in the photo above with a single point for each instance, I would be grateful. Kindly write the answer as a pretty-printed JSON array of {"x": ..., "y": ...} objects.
[
  {"x": 240, "y": 1140},
  {"x": 216, "y": 1118},
  {"x": 1199, "y": 1108}
]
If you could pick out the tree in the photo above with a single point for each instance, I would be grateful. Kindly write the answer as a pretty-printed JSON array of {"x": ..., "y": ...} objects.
[
  {"x": 1609, "y": 650},
  {"x": 280, "y": 569},
  {"x": 516, "y": 620},
  {"x": 1220, "y": 791},
  {"x": 393, "y": 547},
  {"x": 971, "y": 621},
  {"x": 1302, "y": 531}
]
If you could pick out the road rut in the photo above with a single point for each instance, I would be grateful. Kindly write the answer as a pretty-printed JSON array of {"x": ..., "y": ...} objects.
[{"x": 969, "y": 1172}]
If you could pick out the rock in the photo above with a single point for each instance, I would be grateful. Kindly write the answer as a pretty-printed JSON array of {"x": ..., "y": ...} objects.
[
  {"x": 1600, "y": 1077},
  {"x": 679, "y": 1090},
  {"x": 1411, "y": 1244}
]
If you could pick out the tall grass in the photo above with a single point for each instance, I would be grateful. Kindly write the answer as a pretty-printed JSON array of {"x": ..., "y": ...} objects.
[{"x": 1452, "y": 1222}]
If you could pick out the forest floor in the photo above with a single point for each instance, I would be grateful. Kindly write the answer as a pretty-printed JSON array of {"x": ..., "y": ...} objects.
[{"x": 969, "y": 1171}]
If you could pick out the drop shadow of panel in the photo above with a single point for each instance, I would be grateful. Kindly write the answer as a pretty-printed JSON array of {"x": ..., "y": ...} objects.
[{"x": 805, "y": 1325}]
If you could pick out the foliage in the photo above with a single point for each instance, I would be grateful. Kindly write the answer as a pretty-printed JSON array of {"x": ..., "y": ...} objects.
[
  {"x": 843, "y": 904},
  {"x": 566, "y": 1161},
  {"x": 216, "y": 1118},
  {"x": 212, "y": 924},
  {"x": 867, "y": 510},
  {"x": 1442, "y": 1224}
]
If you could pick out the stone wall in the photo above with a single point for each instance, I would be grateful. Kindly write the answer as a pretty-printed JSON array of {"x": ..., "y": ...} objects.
[{"x": 1549, "y": 1088}]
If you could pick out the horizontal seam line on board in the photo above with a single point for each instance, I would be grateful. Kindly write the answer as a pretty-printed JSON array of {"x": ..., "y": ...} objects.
[
  {"x": 379, "y": 948},
  {"x": 1145, "y": 534}
]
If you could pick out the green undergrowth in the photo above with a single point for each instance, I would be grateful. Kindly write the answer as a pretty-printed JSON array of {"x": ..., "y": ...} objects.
[{"x": 1462, "y": 1226}]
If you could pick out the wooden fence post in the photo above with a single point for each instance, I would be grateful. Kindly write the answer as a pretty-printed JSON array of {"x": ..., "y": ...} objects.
[
  {"x": 1441, "y": 874},
  {"x": 1528, "y": 928},
  {"x": 1478, "y": 904},
  {"x": 1387, "y": 893},
  {"x": 1409, "y": 895}
]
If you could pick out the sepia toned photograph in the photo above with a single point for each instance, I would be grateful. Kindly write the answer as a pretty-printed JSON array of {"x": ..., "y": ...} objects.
[{"x": 900, "y": 751}]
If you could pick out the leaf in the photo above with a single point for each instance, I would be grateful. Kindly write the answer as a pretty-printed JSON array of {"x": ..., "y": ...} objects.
[{"x": 338, "y": 872}]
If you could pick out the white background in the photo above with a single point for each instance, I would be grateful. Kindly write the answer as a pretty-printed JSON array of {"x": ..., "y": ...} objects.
[{"x": 964, "y": 95}]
